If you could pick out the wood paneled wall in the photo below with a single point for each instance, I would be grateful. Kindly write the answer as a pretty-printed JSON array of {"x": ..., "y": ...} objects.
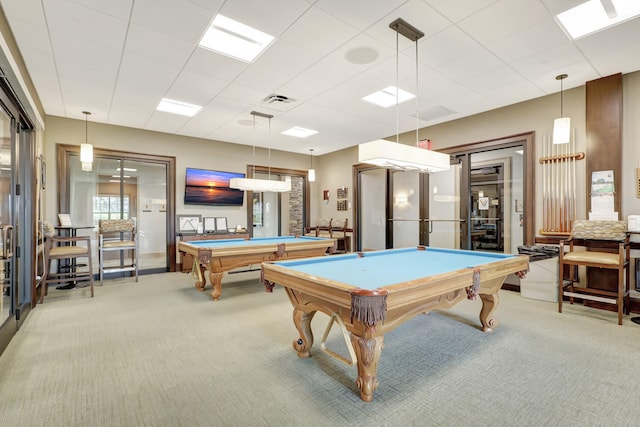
[{"x": 604, "y": 132}]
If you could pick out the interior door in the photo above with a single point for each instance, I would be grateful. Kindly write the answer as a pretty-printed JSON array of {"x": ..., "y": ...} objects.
[
  {"x": 407, "y": 201},
  {"x": 119, "y": 188},
  {"x": 444, "y": 224},
  {"x": 279, "y": 214},
  {"x": 7, "y": 220}
]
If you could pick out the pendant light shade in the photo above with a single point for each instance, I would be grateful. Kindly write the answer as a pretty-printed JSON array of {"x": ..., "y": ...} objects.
[
  {"x": 312, "y": 171},
  {"x": 86, "y": 149},
  {"x": 260, "y": 185},
  {"x": 393, "y": 155},
  {"x": 86, "y": 153},
  {"x": 561, "y": 125}
]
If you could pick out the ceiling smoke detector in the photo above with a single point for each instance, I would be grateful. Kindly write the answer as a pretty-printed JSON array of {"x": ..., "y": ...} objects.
[{"x": 273, "y": 98}]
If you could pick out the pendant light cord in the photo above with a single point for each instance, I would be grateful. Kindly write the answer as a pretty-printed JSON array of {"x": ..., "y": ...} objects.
[
  {"x": 397, "y": 88},
  {"x": 417, "y": 97}
]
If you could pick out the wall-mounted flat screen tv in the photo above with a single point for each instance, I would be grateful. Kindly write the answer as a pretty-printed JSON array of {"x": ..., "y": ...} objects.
[{"x": 211, "y": 187}]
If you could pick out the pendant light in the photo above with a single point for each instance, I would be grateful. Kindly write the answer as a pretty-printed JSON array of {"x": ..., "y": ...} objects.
[
  {"x": 312, "y": 171},
  {"x": 260, "y": 185},
  {"x": 561, "y": 125},
  {"x": 392, "y": 155},
  {"x": 86, "y": 149}
]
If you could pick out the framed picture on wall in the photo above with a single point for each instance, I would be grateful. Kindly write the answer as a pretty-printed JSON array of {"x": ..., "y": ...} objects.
[
  {"x": 221, "y": 224},
  {"x": 209, "y": 224},
  {"x": 188, "y": 223}
]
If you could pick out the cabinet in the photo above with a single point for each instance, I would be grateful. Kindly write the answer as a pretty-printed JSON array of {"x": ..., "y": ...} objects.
[{"x": 186, "y": 260}]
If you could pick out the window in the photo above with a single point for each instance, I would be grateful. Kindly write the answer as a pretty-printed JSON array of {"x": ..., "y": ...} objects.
[{"x": 108, "y": 207}]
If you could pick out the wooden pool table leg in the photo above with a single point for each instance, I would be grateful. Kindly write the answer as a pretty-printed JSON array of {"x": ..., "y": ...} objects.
[
  {"x": 489, "y": 304},
  {"x": 199, "y": 269},
  {"x": 368, "y": 353},
  {"x": 302, "y": 320},
  {"x": 216, "y": 283}
]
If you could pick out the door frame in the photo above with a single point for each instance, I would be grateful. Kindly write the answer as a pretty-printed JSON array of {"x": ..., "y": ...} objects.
[
  {"x": 63, "y": 153},
  {"x": 461, "y": 154}
]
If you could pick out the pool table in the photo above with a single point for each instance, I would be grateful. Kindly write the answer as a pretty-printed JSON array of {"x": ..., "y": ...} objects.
[
  {"x": 372, "y": 293},
  {"x": 223, "y": 255}
]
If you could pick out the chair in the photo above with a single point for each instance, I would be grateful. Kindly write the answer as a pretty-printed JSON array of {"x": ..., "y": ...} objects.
[
  {"x": 339, "y": 231},
  {"x": 117, "y": 235},
  {"x": 66, "y": 248},
  {"x": 322, "y": 228},
  {"x": 596, "y": 234}
]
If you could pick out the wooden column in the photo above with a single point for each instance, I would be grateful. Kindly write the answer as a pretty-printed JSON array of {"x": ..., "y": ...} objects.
[
  {"x": 604, "y": 152},
  {"x": 604, "y": 132}
]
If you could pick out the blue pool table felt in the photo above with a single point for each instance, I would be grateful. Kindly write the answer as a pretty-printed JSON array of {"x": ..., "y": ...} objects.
[{"x": 384, "y": 268}]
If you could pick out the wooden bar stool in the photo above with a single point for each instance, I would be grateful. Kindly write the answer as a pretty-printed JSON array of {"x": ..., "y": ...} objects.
[{"x": 60, "y": 248}]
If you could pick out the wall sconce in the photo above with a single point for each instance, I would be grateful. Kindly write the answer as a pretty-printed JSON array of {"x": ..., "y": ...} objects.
[
  {"x": 86, "y": 149},
  {"x": 561, "y": 125}
]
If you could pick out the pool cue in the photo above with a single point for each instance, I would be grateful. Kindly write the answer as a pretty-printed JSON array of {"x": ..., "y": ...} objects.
[
  {"x": 562, "y": 209},
  {"x": 544, "y": 186},
  {"x": 554, "y": 201},
  {"x": 574, "y": 203}
]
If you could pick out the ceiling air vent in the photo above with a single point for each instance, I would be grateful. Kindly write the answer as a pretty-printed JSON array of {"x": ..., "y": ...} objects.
[{"x": 273, "y": 98}]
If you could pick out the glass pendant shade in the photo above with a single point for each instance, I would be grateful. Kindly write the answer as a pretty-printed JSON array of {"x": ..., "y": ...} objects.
[
  {"x": 562, "y": 130},
  {"x": 312, "y": 175},
  {"x": 86, "y": 153}
]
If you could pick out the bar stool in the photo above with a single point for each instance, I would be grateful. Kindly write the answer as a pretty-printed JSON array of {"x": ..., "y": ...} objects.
[{"x": 66, "y": 248}]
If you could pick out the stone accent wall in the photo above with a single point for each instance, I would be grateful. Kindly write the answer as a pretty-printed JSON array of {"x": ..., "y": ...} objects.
[{"x": 296, "y": 206}]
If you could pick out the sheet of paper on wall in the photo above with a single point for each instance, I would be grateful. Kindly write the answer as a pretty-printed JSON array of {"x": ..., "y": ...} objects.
[
  {"x": 602, "y": 196},
  {"x": 602, "y": 182},
  {"x": 603, "y": 216},
  {"x": 602, "y": 202}
]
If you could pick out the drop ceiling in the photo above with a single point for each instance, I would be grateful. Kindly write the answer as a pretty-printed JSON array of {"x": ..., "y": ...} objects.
[{"x": 119, "y": 58}]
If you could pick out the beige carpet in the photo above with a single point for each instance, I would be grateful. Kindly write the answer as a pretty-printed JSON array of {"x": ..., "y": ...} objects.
[{"x": 160, "y": 353}]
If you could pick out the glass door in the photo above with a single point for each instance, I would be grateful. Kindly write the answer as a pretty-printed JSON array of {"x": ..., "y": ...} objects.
[
  {"x": 279, "y": 214},
  {"x": 405, "y": 218},
  {"x": 119, "y": 188},
  {"x": 7, "y": 218},
  {"x": 372, "y": 221},
  {"x": 445, "y": 225},
  {"x": 497, "y": 200}
]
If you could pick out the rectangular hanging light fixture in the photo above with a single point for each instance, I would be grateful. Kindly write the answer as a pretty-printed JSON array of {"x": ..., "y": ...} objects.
[
  {"x": 260, "y": 185},
  {"x": 393, "y": 155}
]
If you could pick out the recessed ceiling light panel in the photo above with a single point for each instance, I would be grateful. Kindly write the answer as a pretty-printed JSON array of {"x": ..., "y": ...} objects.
[
  {"x": 387, "y": 97},
  {"x": 177, "y": 107},
  {"x": 299, "y": 132},
  {"x": 234, "y": 39},
  {"x": 595, "y": 15}
]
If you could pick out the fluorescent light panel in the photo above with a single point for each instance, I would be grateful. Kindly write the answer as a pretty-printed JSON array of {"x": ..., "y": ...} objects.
[
  {"x": 178, "y": 107},
  {"x": 592, "y": 16},
  {"x": 234, "y": 39},
  {"x": 387, "y": 97},
  {"x": 299, "y": 132}
]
